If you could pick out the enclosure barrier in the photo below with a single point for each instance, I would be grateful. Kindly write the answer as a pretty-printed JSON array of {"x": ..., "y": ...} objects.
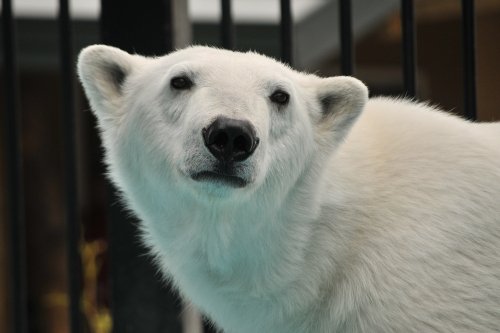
[
  {"x": 12, "y": 130},
  {"x": 159, "y": 17}
]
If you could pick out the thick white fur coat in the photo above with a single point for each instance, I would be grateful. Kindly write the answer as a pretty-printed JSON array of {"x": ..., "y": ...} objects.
[{"x": 358, "y": 215}]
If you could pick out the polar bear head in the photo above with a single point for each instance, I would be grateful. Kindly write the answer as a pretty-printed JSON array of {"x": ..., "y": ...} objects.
[{"x": 213, "y": 124}]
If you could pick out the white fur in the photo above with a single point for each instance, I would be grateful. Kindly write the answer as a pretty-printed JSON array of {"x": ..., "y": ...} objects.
[{"x": 386, "y": 220}]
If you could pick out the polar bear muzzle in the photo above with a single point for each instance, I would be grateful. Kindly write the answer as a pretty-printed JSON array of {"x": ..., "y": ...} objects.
[{"x": 230, "y": 140}]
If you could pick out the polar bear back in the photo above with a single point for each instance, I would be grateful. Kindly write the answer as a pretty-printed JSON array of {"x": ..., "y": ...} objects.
[{"x": 423, "y": 189}]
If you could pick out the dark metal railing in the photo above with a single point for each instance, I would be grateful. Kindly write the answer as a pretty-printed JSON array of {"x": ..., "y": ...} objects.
[
  {"x": 16, "y": 226},
  {"x": 70, "y": 166},
  {"x": 120, "y": 28},
  {"x": 346, "y": 43},
  {"x": 226, "y": 25},
  {"x": 408, "y": 48},
  {"x": 469, "y": 58},
  {"x": 286, "y": 30}
]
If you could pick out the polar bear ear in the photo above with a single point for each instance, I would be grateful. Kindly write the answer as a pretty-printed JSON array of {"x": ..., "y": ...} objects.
[
  {"x": 103, "y": 70},
  {"x": 342, "y": 98}
]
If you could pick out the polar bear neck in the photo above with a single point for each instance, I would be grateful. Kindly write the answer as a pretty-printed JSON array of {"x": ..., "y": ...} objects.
[
  {"x": 227, "y": 242},
  {"x": 228, "y": 238},
  {"x": 260, "y": 260}
]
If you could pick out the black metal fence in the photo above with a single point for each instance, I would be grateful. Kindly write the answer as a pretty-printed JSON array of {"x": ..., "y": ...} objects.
[{"x": 126, "y": 29}]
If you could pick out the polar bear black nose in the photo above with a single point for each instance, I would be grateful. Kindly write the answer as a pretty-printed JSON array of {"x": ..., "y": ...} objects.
[{"x": 230, "y": 140}]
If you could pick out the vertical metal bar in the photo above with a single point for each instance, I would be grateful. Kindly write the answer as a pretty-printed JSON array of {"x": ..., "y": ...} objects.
[
  {"x": 227, "y": 27},
  {"x": 69, "y": 130},
  {"x": 346, "y": 42},
  {"x": 408, "y": 47},
  {"x": 17, "y": 230},
  {"x": 286, "y": 32},
  {"x": 137, "y": 292},
  {"x": 469, "y": 58}
]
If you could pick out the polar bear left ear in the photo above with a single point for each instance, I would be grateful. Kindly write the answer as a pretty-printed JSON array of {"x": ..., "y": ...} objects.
[
  {"x": 103, "y": 70},
  {"x": 342, "y": 98}
]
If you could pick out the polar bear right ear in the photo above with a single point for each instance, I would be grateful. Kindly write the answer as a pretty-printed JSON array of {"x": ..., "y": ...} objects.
[
  {"x": 103, "y": 70},
  {"x": 342, "y": 99}
]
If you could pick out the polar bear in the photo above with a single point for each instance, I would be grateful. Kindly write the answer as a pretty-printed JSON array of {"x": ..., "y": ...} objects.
[{"x": 279, "y": 201}]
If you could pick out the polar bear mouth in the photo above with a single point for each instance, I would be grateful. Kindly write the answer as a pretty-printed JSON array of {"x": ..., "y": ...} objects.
[{"x": 226, "y": 179}]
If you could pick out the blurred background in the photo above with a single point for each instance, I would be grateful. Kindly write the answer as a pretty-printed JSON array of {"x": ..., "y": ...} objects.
[{"x": 377, "y": 40}]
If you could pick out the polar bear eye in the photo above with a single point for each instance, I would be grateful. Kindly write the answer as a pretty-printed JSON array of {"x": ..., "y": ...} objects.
[
  {"x": 181, "y": 83},
  {"x": 279, "y": 97}
]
